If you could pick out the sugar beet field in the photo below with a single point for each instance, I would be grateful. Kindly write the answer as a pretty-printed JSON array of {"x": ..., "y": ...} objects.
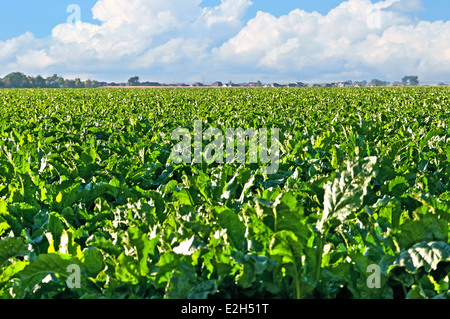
[{"x": 92, "y": 204}]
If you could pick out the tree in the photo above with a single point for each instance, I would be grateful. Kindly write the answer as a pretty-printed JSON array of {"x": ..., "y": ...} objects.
[
  {"x": 51, "y": 81},
  {"x": 414, "y": 80},
  {"x": 133, "y": 81},
  {"x": 39, "y": 82},
  {"x": 360, "y": 83},
  {"x": 54, "y": 77},
  {"x": 60, "y": 81},
  {"x": 376, "y": 82},
  {"x": 78, "y": 83},
  {"x": 410, "y": 80},
  {"x": 70, "y": 84},
  {"x": 405, "y": 80},
  {"x": 15, "y": 80}
]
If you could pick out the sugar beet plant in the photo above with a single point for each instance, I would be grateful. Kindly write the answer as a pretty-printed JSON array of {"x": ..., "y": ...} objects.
[{"x": 93, "y": 206}]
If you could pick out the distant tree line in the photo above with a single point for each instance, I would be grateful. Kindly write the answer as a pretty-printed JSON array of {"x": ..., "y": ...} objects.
[
  {"x": 407, "y": 80},
  {"x": 376, "y": 82},
  {"x": 20, "y": 80}
]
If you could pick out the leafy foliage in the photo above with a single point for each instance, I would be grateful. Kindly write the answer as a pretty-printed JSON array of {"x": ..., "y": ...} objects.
[{"x": 86, "y": 180}]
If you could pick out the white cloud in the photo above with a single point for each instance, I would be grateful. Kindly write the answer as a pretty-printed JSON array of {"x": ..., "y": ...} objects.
[
  {"x": 145, "y": 33},
  {"x": 422, "y": 49},
  {"x": 34, "y": 60},
  {"x": 167, "y": 38},
  {"x": 349, "y": 40},
  {"x": 11, "y": 47},
  {"x": 227, "y": 12},
  {"x": 403, "y": 5},
  {"x": 24, "y": 52},
  {"x": 174, "y": 54}
]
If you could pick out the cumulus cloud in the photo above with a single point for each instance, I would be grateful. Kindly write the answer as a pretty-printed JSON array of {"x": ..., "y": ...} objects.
[
  {"x": 227, "y": 12},
  {"x": 356, "y": 39},
  {"x": 403, "y": 5},
  {"x": 144, "y": 33},
  {"x": 10, "y": 48}
]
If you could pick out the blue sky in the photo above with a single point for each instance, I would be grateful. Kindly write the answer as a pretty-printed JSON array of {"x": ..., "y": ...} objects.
[
  {"x": 214, "y": 38},
  {"x": 40, "y": 17}
]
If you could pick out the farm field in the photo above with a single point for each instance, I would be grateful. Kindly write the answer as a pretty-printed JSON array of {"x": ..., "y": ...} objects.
[{"x": 358, "y": 208}]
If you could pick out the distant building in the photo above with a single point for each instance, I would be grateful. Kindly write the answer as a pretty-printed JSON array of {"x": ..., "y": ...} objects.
[
  {"x": 149, "y": 84},
  {"x": 345, "y": 84},
  {"x": 217, "y": 84},
  {"x": 197, "y": 84},
  {"x": 231, "y": 84},
  {"x": 359, "y": 83},
  {"x": 255, "y": 84},
  {"x": 274, "y": 85}
]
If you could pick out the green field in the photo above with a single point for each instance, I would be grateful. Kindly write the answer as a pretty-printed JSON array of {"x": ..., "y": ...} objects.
[{"x": 359, "y": 208}]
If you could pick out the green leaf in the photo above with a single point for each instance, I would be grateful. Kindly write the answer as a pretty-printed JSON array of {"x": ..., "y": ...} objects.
[
  {"x": 59, "y": 197},
  {"x": 398, "y": 186},
  {"x": 256, "y": 268},
  {"x": 246, "y": 188},
  {"x": 3, "y": 225},
  {"x": 230, "y": 189},
  {"x": 410, "y": 233},
  {"x": 390, "y": 210},
  {"x": 49, "y": 263},
  {"x": 127, "y": 269},
  {"x": 10, "y": 271},
  {"x": 228, "y": 220},
  {"x": 182, "y": 279},
  {"x": 288, "y": 251},
  {"x": 286, "y": 247},
  {"x": 203, "y": 290},
  {"x": 424, "y": 141},
  {"x": 337, "y": 156},
  {"x": 88, "y": 156},
  {"x": 12, "y": 247},
  {"x": 344, "y": 195},
  {"x": 32, "y": 275},
  {"x": 416, "y": 292},
  {"x": 56, "y": 227},
  {"x": 144, "y": 247},
  {"x": 165, "y": 266},
  {"x": 184, "y": 197},
  {"x": 92, "y": 260},
  {"x": 426, "y": 254},
  {"x": 290, "y": 216},
  {"x": 189, "y": 246}
]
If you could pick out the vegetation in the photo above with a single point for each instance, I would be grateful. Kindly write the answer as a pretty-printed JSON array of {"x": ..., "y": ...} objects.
[
  {"x": 20, "y": 80},
  {"x": 410, "y": 80},
  {"x": 86, "y": 180},
  {"x": 376, "y": 82},
  {"x": 133, "y": 81}
]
